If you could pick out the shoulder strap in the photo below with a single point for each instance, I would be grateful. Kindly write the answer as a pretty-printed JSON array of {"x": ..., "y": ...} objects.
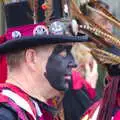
[
  {"x": 18, "y": 97},
  {"x": 19, "y": 101},
  {"x": 5, "y": 100}
]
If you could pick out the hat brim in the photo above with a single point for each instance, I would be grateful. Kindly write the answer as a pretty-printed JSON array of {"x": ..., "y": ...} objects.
[{"x": 28, "y": 42}]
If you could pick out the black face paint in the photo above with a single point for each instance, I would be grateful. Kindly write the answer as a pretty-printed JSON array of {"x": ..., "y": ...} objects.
[{"x": 58, "y": 68}]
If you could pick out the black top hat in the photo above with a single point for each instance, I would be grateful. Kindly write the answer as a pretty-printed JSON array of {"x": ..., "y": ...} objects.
[
  {"x": 109, "y": 57},
  {"x": 20, "y": 13},
  {"x": 22, "y": 33}
]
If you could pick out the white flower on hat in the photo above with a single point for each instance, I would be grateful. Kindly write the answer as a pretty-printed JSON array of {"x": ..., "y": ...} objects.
[
  {"x": 16, "y": 34},
  {"x": 57, "y": 28},
  {"x": 40, "y": 30}
]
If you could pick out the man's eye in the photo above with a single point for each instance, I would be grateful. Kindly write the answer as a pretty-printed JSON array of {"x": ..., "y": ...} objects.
[{"x": 63, "y": 53}]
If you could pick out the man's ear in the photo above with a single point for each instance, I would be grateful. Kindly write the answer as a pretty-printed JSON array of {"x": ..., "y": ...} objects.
[{"x": 31, "y": 58}]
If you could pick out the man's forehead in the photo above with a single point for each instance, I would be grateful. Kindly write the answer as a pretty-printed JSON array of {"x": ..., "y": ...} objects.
[
  {"x": 64, "y": 44},
  {"x": 52, "y": 46},
  {"x": 61, "y": 46}
]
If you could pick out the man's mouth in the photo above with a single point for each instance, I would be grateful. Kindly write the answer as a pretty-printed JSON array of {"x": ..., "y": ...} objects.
[{"x": 67, "y": 77}]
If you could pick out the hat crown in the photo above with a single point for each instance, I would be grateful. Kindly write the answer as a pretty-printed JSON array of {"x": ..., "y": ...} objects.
[
  {"x": 25, "y": 31},
  {"x": 20, "y": 13}
]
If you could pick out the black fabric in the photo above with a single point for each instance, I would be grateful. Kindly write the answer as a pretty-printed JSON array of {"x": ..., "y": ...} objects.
[
  {"x": 7, "y": 113},
  {"x": 27, "y": 42},
  {"x": 116, "y": 109},
  {"x": 57, "y": 10},
  {"x": 75, "y": 103},
  {"x": 18, "y": 14},
  {"x": 41, "y": 12},
  {"x": 114, "y": 70}
]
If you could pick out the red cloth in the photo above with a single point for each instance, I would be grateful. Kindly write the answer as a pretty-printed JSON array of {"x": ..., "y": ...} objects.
[
  {"x": 117, "y": 116},
  {"x": 78, "y": 82},
  {"x": 3, "y": 64}
]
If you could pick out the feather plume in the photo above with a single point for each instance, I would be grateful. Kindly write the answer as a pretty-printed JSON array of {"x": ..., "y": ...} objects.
[
  {"x": 93, "y": 30},
  {"x": 109, "y": 39},
  {"x": 105, "y": 13},
  {"x": 76, "y": 13},
  {"x": 105, "y": 57},
  {"x": 34, "y": 7},
  {"x": 49, "y": 10}
]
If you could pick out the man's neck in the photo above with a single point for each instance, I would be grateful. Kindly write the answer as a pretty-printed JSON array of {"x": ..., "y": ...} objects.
[
  {"x": 37, "y": 88},
  {"x": 28, "y": 85},
  {"x": 28, "y": 89}
]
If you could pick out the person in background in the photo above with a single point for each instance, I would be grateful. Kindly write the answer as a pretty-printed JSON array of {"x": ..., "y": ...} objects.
[
  {"x": 85, "y": 77},
  {"x": 87, "y": 68},
  {"x": 87, "y": 65},
  {"x": 104, "y": 23},
  {"x": 108, "y": 107}
]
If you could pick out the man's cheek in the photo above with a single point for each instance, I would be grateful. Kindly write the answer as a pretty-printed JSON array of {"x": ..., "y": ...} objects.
[{"x": 55, "y": 70}]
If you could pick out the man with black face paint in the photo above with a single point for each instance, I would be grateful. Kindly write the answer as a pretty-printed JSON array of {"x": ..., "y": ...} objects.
[
  {"x": 39, "y": 66},
  {"x": 43, "y": 72},
  {"x": 59, "y": 67}
]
